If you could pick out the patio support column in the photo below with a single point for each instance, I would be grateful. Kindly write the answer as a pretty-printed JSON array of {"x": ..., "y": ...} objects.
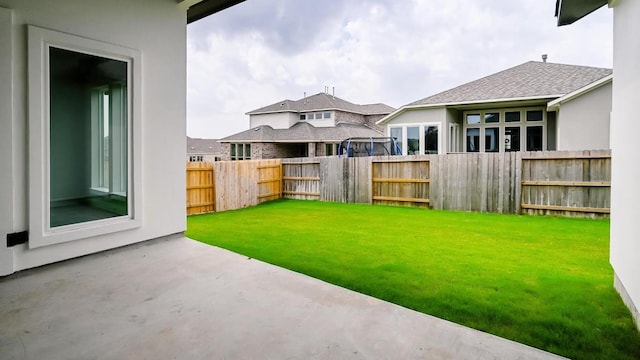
[
  {"x": 312, "y": 149},
  {"x": 6, "y": 140}
]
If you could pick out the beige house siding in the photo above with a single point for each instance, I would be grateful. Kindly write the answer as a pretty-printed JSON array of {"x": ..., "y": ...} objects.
[
  {"x": 277, "y": 120},
  {"x": 584, "y": 121}
]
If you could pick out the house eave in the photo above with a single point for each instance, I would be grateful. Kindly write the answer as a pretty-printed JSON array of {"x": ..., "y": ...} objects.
[
  {"x": 276, "y": 141},
  {"x": 570, "y": 11},
  {"x": 310, "y": 110},
  {"x": 455, "y": 104},
  {"x": 198, "y": 9},
  {"x": 555, "y": 104}
]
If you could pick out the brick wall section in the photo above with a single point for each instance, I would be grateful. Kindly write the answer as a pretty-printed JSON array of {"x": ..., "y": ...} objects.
[
  {"x": 370, "y": 120},
  {"x": 349, "y": 118},
  {"x": 225, "y": 151}
]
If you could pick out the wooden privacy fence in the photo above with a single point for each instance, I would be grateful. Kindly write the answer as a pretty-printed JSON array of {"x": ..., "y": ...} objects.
[
  {"x": 575, "y": 183},
  {"x": 229, "y": 185},
  {"x": 201, "y": 192},
  {"x": 400, "y": 182},
  {"x": 301, "y": 180},
  {"x": 569, "y": 183},
  {"x": 566, "y": 183}
]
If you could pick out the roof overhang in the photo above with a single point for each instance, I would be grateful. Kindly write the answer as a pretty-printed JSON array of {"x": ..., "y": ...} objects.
[
  {"x": 308, "y": 111},
  {"x": 271, "y": 141},
  {"x": 569, "y": 11},
  {"x": 198, "y": 9},
  {"x": 555, "y": 104},
  {"x": 478, "y": 104}
]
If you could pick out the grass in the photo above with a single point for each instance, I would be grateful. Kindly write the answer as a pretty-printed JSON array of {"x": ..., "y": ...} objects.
[{"x": 541, "y": 281}]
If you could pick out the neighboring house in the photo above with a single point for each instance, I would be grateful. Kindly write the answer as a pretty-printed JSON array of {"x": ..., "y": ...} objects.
[
  {"x": 203, "y": 150},
  {"x": 533, "y": 106},
  {"x": 625, "y": 127},
  {"x": 312, "y": 126},
  {"x": 92, "y": 125}
]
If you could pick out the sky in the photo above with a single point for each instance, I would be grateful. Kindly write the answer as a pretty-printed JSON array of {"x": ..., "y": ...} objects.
[{"x": 371, "y": 51}]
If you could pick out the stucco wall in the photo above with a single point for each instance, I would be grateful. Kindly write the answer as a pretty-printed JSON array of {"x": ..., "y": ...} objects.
[
  {"x": 453, "y": 117},
  {"x": 625, "y": 127},
  {"x": 155, "y": 28},
  {"x": 421, "y": 116},
  {"x": 583, "y": 122},
  {"x": 276, "y": 121}
]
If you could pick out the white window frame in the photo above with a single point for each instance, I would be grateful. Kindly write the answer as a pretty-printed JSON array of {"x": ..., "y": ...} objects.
[
  {"x": 454, "y": 137},
  {"x": 40, "y": 231},
  {"x": 421, "y": 127},
  {"x": 308, "y": 115},
  {"x": 523, "y": 124}
]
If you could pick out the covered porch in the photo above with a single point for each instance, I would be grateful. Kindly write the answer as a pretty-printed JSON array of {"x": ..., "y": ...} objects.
[{"x": 176, "y": 298}]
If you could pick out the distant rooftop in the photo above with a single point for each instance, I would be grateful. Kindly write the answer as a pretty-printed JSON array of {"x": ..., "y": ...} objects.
[
  {"x": 203, "y": 146},
  {"x": 320, "y": 102},
  {"x": 302, "y": 132},
  {"x": 532, "y": 79}
]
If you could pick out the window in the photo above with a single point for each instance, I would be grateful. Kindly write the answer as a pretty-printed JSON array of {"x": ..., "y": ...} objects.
[
  {"x": 430, "y": 140},
  {"x": 315, "y": 116},
  {"x": 396, "y": 133},
  {"x": 512, "y": 116},
  {"x": 85, "y": 131},
  {"x": 473, "y": 119},
  {"x": 413, "y": 140},
  {"x": 504, "y": 130},
  {"x": 512, "y": 138},
  {"x": 240, "y": 152},
  {"x": 491, "y": 136},
  {"x": 329, "y": 149},
  {"x": 535, "y": 115},
  {"x": 473, "y": 140},
  {"x": 196, "y": 158},
  {"x": 491, "y": 118},
  {"x": 534, "y": 138},
  {"x": 417, "y": 139}
]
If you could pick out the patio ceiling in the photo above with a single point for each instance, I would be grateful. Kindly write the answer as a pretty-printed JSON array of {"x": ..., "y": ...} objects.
[
  {"x": 205, "y": 8},
  {"x": 569, "y": 11}
]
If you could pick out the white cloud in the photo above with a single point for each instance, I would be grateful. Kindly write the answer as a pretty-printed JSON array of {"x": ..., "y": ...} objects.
[{"x": 395, "y": 52}]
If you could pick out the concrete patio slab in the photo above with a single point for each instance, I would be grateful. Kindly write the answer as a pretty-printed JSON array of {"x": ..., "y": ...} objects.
[{"x": 176, "y": 298}]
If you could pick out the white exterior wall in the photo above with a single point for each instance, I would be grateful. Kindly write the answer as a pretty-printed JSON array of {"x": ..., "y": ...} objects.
[
  {"x": 625, "y": 128},
  {"x": 158, "y": 30},
  {"x": 583, "y": 123},
  {"x": 276, "y": 121}
]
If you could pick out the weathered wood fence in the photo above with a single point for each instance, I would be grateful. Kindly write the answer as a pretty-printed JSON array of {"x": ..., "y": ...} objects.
[
  {"x": 569, "y": 183},
  {"x": 229, "y": 185}
]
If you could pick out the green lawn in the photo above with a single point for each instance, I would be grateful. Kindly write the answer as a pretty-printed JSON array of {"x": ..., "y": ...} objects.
[{"x": 542, "y": 281}]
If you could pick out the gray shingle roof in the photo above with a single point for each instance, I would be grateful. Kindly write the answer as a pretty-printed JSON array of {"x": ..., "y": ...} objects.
[
  {"x": 203, "y": 146},
  {"x": 302, "y": 132},
  {"x": 323, "y": 101},
  {"x": 532, "y": 79}
]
